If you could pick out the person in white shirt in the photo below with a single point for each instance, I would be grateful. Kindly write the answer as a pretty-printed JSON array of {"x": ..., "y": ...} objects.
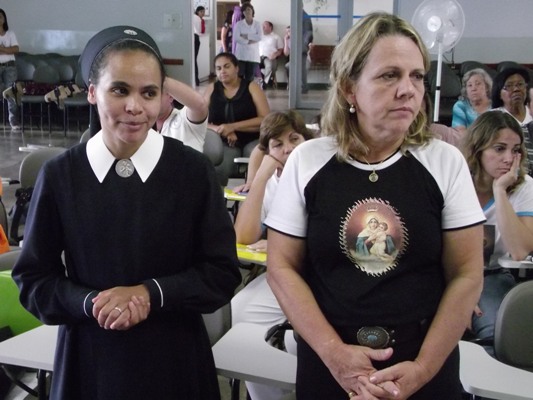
[
  {"x": 8, "y": 71},
  {"x": 247, "y": 34},
  {"x": 270, "y": 48},
  {"x": 188, "y": 124}
]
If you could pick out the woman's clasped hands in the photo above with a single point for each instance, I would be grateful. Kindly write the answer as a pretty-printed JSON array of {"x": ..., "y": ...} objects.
[
  {"x": 228, "y": 132},
  {"x": 352, "y": 368},
  {"x": 121, "y": 307}
]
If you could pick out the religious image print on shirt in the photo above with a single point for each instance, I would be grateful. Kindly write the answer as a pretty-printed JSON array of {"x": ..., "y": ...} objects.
[{"x": 373, "y": 236}]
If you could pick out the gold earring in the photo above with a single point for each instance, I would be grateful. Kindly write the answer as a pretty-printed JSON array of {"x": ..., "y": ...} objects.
[{"x": 352, "y": 109}]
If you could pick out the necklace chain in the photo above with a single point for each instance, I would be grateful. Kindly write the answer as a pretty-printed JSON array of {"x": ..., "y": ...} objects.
[{"x": 373, "y": 177}]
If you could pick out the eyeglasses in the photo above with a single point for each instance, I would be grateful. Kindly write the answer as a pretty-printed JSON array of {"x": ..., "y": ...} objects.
[{"x": 510, "y": 86}]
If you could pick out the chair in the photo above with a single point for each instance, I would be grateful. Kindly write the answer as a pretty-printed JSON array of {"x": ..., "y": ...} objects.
[
  {"x": 470, "y": 65},
  {"x": 450, "y": 89},
  {"x": 12, "y": 314},
  {"x": 28, "y": 172},
  {"x": 485, "y": 377},
  {"x": 76, "y": 100},
  {"x": 213, "y": 147},
  {"x": 218, "y": 323},
  {"x": 45, "y": 78},
  {"x": 514, "y": 323},
  {"x": 214, "y": 150},
  {"x": 243, "y": 354},
  {"x": 85, "y": 136},
  {"x": 507, "y": 64}
]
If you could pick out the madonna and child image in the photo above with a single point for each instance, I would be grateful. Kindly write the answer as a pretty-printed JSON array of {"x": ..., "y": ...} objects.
[{"x": 373, "y": 236}]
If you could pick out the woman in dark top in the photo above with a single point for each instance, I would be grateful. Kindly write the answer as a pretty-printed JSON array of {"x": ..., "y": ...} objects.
[
  {"x": 226, "y": 34},
  {"x": 236, "y": 107},
  {"x": 147, "y": 242}
]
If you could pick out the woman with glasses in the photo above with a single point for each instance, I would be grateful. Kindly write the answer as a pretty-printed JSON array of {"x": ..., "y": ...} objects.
[{"x": 509, "y": 94}]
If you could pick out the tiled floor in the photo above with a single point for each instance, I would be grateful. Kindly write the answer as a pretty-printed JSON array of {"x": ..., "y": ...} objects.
[{"x": 11, "y": 156}]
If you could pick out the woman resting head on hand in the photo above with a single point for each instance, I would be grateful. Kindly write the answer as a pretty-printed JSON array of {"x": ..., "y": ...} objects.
[{"x": 496, "y": 155}]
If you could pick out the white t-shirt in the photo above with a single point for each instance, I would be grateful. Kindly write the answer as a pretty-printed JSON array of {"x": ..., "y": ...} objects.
[
  {"x": 269, "y": 44},
  {"x": 178, "y": 126},
  {"x": 9, "y": 39},
  {"x": 270, "y": 192},
  {"x": 522, "y": 202},
  {"x": 342, "y": 215}
]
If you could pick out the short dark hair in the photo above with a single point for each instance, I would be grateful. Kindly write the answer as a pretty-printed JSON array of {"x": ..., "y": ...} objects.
[
  {"x": 229, "y": 56},
  {"x": 499, "y": 82},
  {"x": 198, "y": 9},
  {"x": 276, "y": 123},
  {"x": 247, "y": 5},
  {"x": 6, "y": 26}
]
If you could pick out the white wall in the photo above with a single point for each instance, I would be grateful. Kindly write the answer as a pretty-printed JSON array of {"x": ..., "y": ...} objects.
[
  {"x": 495, "y": 30},
  {"x": 64, "y": 26}
]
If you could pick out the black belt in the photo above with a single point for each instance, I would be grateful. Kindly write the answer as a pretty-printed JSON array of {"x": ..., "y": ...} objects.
[
  {"x": 8, "y": 64},
  {"x": 379, "y": 337}
]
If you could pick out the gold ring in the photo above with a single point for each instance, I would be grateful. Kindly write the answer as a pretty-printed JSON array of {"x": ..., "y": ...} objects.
[
  {"x": 351, "y": 394},
  {"x": 118, "y": 309}
]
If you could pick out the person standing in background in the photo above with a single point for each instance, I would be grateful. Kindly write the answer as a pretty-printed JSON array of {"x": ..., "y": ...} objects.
[
  {"x": 237, "y": 16},
  {"x": 8, "y": 71},
  {"x": 198, "y": 24},
  {"x": 226, "y": 34},
  {"x": 247, "y": 33},
  {"x": 307, "y": 40}
]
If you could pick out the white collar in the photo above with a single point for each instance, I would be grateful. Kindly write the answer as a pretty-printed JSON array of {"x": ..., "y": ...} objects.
[{"x": 144, "y": 160}]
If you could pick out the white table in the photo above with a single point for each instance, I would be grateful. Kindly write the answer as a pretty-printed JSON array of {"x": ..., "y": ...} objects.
[
  {"x": 508, "y": 262},
  {"x": 243, "y": 354},
  {"x": 32, "y": 349},
  {"x": 482, "y": 375}
]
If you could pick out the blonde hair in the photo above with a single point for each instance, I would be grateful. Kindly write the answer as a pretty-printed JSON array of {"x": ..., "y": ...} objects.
[{"x": 348, "y": 60}]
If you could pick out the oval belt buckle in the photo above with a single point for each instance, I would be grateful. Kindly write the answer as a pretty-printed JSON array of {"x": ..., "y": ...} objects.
[{"x": 375, "y": 337}]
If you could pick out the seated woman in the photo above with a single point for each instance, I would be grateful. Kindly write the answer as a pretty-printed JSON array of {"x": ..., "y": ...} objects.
[
  {"x": 280, "y": 134},
  {"x": 474, "y": 99},
  {"x": 496, "y": 156},
  {"x": 236, "y": 109}
]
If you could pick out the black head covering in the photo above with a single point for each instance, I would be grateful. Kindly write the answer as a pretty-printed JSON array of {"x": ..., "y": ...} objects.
[
  {"x": 98, "y": 43},
  {"x": 499, "y": 82}
]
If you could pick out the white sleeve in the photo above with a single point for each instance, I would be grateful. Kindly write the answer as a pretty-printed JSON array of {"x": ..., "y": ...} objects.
[
  {"x": 288, "y": 213},
  {"x": 237, "y": 32}
]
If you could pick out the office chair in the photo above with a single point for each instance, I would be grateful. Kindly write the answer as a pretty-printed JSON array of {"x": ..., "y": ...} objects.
[
  {"x": 13, "y": 315},
  {"x": 77, "y": 100},
  {"x": 507, "y": 64},
  {"x": 218, "y": 323},
  {"x": 45, "y": 78},
  {"x": 450, "y": 89},
  {"x": 213, "y": 147},
  {"x": 85, "y": 136},
  {"x": 470, "y": 65},
  {"x": 514, "y": 323},
  {"x": 28, "y": 172}
]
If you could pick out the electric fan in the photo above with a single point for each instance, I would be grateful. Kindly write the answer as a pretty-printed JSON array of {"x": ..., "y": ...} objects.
[{"x": 440, "y": 23}]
